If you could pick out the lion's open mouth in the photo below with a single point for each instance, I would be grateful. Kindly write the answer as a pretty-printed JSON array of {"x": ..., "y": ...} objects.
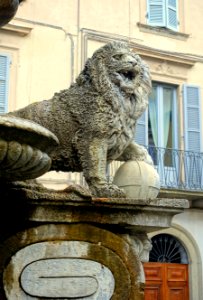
[{"x": 128, "y": 74}]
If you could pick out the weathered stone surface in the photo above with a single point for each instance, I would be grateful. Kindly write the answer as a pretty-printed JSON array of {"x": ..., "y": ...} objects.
[
  {"x": 30, "y": 259},
  {"x": 64, "y": 277},
  {"x": 27, "y": 132},
  {"x": 95, "y": 118},
  {"x": 140, "y": 215},
  {"x": 24, "y": 149},
  {"x": 139, "y": 180}
]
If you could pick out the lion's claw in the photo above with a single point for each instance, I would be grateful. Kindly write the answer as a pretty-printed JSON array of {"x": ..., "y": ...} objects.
[{"x": 108, "y": 191}]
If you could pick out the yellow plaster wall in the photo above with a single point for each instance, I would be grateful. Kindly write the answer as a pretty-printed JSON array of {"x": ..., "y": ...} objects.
[
  {"x": 51, "y": 54},
  {"x": 61, "y": 34}
]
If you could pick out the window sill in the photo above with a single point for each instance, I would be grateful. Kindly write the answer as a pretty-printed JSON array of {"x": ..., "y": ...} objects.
[{"x": 163, "y": 31}]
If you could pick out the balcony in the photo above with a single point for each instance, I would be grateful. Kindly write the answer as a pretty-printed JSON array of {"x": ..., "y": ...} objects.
[{"x": 178, "y": 170}]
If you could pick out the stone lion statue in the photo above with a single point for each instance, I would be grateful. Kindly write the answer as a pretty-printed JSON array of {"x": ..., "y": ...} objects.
[{"x": 95, "y": 118}]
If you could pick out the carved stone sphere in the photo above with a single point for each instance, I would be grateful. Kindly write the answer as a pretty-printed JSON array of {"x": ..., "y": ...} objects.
[{"x": 138, "y": 179}]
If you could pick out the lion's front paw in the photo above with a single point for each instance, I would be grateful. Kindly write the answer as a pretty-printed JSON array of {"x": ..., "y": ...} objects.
[
  {"x": 108, "y": 191},
  {"x": 144, "y": 155}
]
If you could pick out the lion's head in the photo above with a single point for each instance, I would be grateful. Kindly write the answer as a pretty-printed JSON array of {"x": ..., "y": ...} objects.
[{"x": 114, "y": 68}]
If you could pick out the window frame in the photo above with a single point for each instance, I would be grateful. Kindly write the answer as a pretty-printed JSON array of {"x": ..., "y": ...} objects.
[{"x": 160, "y": 104}]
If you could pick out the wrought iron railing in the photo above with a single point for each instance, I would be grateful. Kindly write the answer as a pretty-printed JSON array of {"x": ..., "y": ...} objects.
[{"x": 178, "y": 169}]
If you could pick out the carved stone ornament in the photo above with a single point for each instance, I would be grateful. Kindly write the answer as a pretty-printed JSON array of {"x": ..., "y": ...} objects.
[
  {"x": 141, "y": 244},
  {"x": 69, "y": 262},
  {"x": 140, "y": 180},
  {"x": 24, "y": 148}
]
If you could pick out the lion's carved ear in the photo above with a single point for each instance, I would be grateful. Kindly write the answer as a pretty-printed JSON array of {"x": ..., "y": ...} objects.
[{"x": 84, "y": 75}]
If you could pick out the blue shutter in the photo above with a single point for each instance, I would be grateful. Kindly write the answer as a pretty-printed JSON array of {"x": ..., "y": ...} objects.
[
  {"x": 4, "y": 76},
  {"x": 192, "y": 118},
  {"x": 141, "y": 133},
  {"x": 171, "y": 7},
  {"x": 156, "y": 13}
]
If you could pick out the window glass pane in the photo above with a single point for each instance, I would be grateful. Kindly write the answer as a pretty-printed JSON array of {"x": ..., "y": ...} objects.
[
  {"x": 161, "y": 124},
  {"x": 153, "y": 124},
  {"x": 167, "y": 117},
  {"x": 153, "y": 118},
  {"x": 167, "y": 124}
]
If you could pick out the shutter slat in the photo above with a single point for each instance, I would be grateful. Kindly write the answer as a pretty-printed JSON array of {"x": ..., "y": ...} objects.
[
  {"x": 192, "y": 114},
  {"x": 192, "y": 118},
  {"x": 156, "y": 12},
  {"x": 193, "y": 136},
  {"x": 172, "y": 21},
  {"x": 4, "y": 70},
  {"x": 3, "y": 66},
  {"x": 141, "y": 130}
]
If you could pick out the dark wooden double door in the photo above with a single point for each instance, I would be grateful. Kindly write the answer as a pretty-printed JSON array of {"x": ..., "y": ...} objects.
[{"x": 166, "y": 281}]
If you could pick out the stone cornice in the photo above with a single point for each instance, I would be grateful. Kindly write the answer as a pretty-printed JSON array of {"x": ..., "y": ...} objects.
[
  {"x": 186, "y": 60},
  {"x": 152, "y": 53},
  {"x": 16, "y": 29}
]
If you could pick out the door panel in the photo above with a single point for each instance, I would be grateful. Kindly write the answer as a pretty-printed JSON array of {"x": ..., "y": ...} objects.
[
  {"x": 153, "y": 293},
  {"x": 153, "y": 272},
  {"x": 166, "y": 281},
  {"x": 176, "y": 294}
]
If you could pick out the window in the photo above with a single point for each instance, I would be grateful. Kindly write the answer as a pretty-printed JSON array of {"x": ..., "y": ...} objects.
[
  {"x": 163, "y": 13},
  {"x": 4, "y": 76},
  {"x": 158, "y": 126},
  {"x": 167, "y": 249},
  {"x": 158, "y": 130},
  {"x": 162, "y": 120}
]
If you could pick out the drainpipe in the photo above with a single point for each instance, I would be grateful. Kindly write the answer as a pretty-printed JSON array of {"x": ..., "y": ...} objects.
[{"x": 72, "y": 55}]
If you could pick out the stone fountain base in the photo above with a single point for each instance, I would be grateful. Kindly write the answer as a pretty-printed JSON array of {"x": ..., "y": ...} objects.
[{"x": 81, "y": 248}]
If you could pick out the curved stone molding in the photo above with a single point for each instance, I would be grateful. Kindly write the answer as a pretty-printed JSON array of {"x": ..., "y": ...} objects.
[
  {"x": 66, "y": 277},
  {"x": 24, "y": 149},
  {"x": 57, "y": 269},
  {"x": 101, "y": 264}
]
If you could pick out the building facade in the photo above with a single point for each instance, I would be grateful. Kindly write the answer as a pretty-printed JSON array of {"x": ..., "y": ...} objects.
[{"x": 44, "y": 48}]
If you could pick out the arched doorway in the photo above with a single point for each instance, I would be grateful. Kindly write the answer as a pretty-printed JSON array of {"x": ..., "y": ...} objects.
[{"x": 166, "y": 272}]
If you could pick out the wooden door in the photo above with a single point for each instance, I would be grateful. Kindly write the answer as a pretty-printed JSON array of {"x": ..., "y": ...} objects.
[{"x": 165, "y": 281}]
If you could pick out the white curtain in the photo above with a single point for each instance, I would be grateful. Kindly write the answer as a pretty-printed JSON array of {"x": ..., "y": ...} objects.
[
  {"x": 167, "y": 110},
  {"x": 153, "y": 115}
]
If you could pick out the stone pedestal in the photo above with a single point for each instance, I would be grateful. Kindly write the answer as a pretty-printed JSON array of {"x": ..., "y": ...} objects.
[
  {"x": 77, "y": 249},
  {"x": 68, "y": 245}
]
